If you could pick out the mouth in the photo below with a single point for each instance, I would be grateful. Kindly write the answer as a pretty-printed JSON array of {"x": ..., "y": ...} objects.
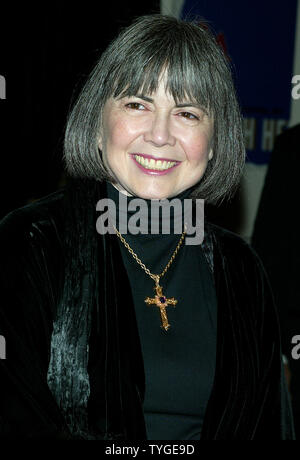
[{"x": 154, "y": 164}]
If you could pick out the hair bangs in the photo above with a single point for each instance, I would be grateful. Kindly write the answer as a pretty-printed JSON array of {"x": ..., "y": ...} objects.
[{"x": 184, "y": 82}]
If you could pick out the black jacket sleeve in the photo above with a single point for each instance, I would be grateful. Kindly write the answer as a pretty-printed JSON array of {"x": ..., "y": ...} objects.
[{"x": 27, "y": 407}]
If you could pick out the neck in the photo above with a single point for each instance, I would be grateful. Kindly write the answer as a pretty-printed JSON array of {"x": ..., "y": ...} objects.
[{"x": 137, "y": 215}]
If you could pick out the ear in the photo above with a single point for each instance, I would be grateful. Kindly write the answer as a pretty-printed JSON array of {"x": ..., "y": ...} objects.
[{"x": 210, "y": 155}]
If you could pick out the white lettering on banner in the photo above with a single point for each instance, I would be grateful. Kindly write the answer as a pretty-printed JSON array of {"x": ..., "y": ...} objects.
[
  {"x": 271, "y": 129},
  {"x": 268, "y": 134},
  {"x": 2, "y": 87},
  {"x": 279, "y": 126},
  {"x": 249, "y": 127},
  {"x": 296, "y": 88}
]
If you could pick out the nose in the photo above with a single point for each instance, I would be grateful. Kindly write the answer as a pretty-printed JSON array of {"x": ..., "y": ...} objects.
[{"x": 159, "y": 132}]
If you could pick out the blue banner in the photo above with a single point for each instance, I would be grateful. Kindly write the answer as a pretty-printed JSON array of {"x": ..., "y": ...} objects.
[{"x": 258, "y": 37}]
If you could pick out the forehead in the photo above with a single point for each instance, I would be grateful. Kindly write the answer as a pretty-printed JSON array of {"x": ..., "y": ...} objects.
[
  {"x": 160, "y": 92},
  {"x": 167, "y": 82},
  {"x": 161, "y": 97}
]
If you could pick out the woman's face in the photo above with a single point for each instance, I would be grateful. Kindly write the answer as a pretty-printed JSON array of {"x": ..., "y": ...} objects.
[{"x": 154, "y": 148}]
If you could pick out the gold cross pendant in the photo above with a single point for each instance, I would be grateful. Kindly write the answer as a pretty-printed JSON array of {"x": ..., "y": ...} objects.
[{"x": 162, "y": 302}]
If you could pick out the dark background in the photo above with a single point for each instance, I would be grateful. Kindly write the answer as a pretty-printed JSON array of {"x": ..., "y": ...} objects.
[{"x": 46, "y": 52}]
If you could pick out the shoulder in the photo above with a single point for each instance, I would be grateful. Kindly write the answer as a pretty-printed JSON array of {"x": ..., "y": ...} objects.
[
  {"x": 32, "y": 257},
  {"x": 48, "y": 218},
  {"x": 30, "y": 240},
  {"x": 227, "y": 239},
  {"x": 241, "y": 274},
  {"x": 29, "y": 219},
  {"x": 233, "y": 250}
]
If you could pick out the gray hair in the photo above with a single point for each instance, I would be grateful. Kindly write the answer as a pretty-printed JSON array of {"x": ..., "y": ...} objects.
[{"x": 196, "y": 67}]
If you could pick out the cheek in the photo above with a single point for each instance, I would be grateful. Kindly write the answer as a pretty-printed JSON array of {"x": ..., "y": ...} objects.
[
  {"x": 114, "y": 133},
  {"x": 197, "y": 148},
  {"x": 118, "y": 135}
]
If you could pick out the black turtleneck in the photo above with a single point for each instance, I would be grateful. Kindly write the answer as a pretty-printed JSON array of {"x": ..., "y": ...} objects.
[{"x": 179, "y": 363}]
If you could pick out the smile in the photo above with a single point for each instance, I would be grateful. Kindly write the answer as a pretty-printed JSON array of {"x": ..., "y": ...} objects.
[{"x": 154, "y": 165}]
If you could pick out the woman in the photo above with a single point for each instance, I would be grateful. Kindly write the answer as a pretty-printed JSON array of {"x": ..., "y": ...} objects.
[{"x": 141, "y": 336}]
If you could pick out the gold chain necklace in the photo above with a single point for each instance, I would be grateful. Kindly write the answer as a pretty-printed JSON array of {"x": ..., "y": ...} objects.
[{"x": 159, "y": 300}]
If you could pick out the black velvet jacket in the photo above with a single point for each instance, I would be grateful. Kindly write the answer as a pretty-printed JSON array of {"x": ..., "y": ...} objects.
[{"x": 249, "y": 399}]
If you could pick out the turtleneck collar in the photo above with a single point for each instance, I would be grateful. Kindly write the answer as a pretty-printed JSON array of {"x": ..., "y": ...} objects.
[{"x": 148, "y": 214}]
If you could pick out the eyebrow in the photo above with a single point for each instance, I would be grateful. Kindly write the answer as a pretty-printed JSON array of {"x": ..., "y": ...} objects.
[{"x": 182, "y": 104}]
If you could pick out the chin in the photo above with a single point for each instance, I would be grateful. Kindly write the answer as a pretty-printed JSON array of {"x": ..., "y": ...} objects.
[
  {"x": 146, "y": 191},
  {"x": 155, "y": 197},
  {"x": 151, "y": 194}
]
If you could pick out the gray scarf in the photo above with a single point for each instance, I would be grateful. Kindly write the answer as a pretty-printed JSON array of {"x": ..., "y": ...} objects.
[{"x": 67, "y": 376}]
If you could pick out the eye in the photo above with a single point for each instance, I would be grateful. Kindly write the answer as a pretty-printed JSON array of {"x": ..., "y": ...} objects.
[
  {"x": 135, "y": 106},
  {"x": 188, "y": 115}
]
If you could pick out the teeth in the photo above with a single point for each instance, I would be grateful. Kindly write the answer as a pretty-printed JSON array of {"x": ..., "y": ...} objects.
[{"x": 154, "y": 164}]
